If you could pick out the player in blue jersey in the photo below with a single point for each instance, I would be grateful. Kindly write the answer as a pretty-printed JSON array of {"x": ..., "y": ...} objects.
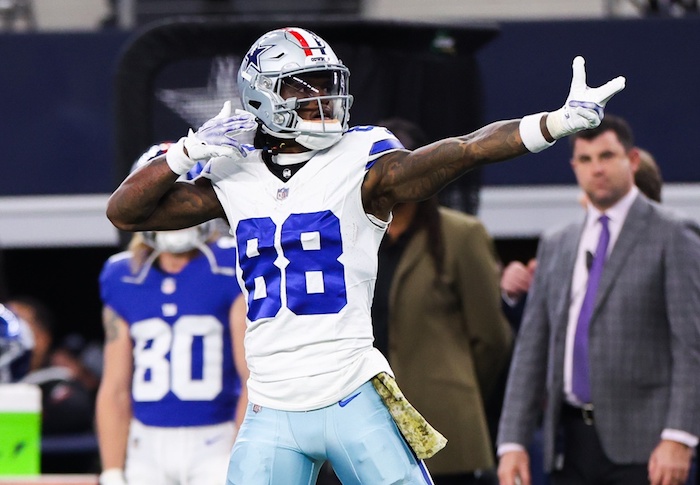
[
  {"x": 170, "y": 389},
  {"x": 308, "y": 205}
]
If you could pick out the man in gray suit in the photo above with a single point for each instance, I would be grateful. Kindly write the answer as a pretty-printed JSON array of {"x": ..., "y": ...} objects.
[{"x": 621, "y": 399}]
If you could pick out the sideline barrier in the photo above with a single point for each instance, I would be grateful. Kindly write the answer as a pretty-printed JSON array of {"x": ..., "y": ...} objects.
[
  {"x": 52, "y": 479},
  {"x": 20, "y": 429}
]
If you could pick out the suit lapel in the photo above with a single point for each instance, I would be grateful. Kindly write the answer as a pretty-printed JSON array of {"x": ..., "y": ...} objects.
[
  {"x": 631, "y": 233},
  {"x": 560, "y": 286},
  {"x": 565, "y": 271}
]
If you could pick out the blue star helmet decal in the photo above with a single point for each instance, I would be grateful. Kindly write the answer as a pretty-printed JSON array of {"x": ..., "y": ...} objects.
[{"x": 253, "y": 57}]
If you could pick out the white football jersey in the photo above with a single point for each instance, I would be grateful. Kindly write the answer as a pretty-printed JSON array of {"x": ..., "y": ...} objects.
[{"x": 307, "y": 263}]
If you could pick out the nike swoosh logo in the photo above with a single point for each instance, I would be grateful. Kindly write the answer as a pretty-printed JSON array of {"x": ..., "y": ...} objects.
[{"x": 344, "y": 402}]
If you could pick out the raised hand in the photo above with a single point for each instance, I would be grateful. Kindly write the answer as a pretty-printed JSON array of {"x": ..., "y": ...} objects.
[
  {"x": 223, "y": 128},
  {"x": 584, "y": 106},
  {"x": 215, "y": 138}
]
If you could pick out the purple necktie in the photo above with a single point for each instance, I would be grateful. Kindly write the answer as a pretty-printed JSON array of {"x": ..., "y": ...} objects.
[{"x": 580, "y": 381}]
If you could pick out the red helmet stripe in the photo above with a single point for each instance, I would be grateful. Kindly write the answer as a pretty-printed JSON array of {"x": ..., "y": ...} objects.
[{"x": 298, "y": 36}]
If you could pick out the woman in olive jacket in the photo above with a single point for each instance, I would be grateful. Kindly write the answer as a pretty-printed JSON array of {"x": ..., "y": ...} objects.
[{"x": 438, "y": 319}]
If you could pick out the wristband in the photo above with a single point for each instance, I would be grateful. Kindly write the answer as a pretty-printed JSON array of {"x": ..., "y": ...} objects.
[
  {"x": 112, "y": 476},
  {"x": 531, "y": 133},
  {"x": 176, "y": 158},
  {"x": 556, "y": 124}
]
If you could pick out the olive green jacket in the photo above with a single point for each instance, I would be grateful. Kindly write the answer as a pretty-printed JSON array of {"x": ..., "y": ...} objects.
[{"x": 449, "y": 340}]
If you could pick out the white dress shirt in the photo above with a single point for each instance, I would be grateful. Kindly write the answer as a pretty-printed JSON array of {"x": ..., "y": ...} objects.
[{"x": 587, "y": 244}]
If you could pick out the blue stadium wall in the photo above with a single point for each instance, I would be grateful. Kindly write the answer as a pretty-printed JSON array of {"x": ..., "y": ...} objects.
[
  {"x": 57, "y": 110},
  {"x": 527, "y": 69}
]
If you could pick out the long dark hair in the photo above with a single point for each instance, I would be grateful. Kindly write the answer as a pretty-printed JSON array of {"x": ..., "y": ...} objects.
[
  {"x": 428, "y": 217},
  {"x": 427, "y": 211}
]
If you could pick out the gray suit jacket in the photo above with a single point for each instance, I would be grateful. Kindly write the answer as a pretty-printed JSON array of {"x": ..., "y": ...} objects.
[{"x": 644, "y": 339}]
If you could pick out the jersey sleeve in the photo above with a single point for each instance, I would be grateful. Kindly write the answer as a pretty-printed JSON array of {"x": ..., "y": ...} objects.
[
  {"x": 381, "y": 142},
  {"x": 110, "y": 276}
]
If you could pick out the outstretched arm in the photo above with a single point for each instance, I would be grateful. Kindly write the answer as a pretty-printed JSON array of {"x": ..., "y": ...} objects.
[{"x": 410, "y": 176}]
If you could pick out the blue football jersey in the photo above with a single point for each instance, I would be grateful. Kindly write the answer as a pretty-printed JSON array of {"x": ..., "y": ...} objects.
[{"x": 184, "y": 372}]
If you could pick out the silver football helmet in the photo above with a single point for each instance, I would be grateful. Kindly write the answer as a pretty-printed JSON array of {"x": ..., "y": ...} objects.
[
  {"x": 179, "y": 241},
  {"x": 301, "y": 63}
]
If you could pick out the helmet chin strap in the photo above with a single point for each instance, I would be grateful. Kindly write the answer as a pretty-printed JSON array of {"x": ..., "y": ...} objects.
[
  {"x": 318, "y": 141},
  {"x": 312, "y": 141},
  {"x": 271, "y": 141},
  {"x": 316, "y": 134},
  {"x": 281, "y": 135}
]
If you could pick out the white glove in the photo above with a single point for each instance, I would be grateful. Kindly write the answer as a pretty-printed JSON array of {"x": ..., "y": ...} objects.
[
  {"x": 223, "y": 128},
  {"x": 584, "y": 106},
  {"x": 112, "y": 476},
  {"x": 215, "y": 138}
]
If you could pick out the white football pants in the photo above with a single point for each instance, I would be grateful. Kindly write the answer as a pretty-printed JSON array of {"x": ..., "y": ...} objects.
[{"x": 192, "y": 455}]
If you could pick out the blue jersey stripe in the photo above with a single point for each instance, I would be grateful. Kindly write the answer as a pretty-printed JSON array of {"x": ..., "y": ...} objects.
[
  {"x": 384, "y": 145},
  {"x": 380, "y": 147},
  {"x": 426, "y": 474}
]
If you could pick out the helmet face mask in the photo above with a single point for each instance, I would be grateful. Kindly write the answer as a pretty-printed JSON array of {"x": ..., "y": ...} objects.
[
  {"x": 297, "y": 87},
  {"x": 320, "y": 95}
]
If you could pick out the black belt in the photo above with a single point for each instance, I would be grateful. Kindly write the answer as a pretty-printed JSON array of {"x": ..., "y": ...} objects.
[{"x": 584, "y": 413}]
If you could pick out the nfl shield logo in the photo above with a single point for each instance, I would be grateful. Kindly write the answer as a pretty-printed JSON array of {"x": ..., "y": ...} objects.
[{"x": 282, "y": 193}]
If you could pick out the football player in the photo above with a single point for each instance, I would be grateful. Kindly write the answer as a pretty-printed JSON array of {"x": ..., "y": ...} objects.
[
  {"x": 308, "y": 205},
  {"x": 170, "y": 389}
]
